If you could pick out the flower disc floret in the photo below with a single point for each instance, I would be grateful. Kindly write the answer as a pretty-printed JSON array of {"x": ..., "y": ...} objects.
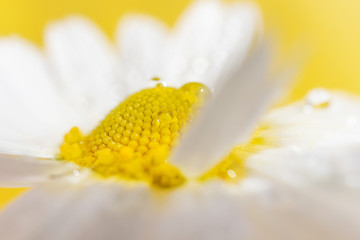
[{"x": 135, "y": 138}]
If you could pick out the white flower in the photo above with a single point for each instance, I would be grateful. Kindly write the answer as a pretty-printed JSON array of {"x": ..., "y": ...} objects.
[{"x": 303, "y": 180}]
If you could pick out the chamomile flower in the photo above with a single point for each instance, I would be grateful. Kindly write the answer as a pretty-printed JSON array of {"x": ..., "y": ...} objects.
[{"x": 140, "y": 144}]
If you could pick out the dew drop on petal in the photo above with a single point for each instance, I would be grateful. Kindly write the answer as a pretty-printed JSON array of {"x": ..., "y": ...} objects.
[
  {"x": 76, "y": 173},
  {"x": 157, "y": 82},
  {"x": 318, "y": 98},
  {"x": 231, "y": 173}
]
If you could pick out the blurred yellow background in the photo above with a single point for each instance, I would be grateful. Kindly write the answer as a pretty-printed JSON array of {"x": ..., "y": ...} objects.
[{"x": 329, "y": 28}]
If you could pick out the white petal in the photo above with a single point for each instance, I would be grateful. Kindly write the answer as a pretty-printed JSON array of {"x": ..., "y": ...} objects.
[
  {"x": 23, "y": 171},
  {"x": 38, "y": 204},
  {"x": 115, "y": 211},
  {"x": 132, "y": 212},
  {"x": 85, "y": 62},
  {"x": 229, "y": 118},
  {"x": 142, "y": 42},
  {"x": 252, "y": 210},
  {"x": 287, "y": 212},
  {"x": 308, "y": 126},
  {"x": 334, "y": 168},
  {"x": 208, "y": 37},
  {"x": 314, "y": 141},
  {"x": 32, "y": 117}
]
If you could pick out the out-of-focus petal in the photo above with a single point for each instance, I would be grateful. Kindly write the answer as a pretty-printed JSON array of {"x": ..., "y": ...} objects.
[
  {"x": 322, "y": 119},
  {"x": 84, "y": 61},
  {"x": 334, "y": 168},
  {"x": 209, "y": 36},
  {"x": 24, "y": 171},
  {"x": 230, "y": 116},
  {"x": 255, "y": 209},
  {"x": 142, "y": 42},
  {"x": 33, "y": 118},
  {"x": 283, "y": 211},
  {"x": 115, "y": 211},
  {"x": 315, "y": 156}
]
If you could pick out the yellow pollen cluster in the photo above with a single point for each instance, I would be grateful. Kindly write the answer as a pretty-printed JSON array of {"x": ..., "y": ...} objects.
[
  {"x": 232, "y": 167},
  {"x": 134, "y": 140}
]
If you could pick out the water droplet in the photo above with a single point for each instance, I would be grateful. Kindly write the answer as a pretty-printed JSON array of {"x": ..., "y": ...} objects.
[
  {"x": 318, "y": 98},
  {"x": 76, "y": 173},
  {"x": 231, "y": 173},
  {"x": 156, "y": 82}
]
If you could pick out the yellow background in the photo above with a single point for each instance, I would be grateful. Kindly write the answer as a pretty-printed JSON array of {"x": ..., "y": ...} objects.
[{"x": 329, "y": 29}]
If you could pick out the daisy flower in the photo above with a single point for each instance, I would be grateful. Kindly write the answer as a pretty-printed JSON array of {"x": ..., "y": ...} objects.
[{"x": 156, "y": 138}]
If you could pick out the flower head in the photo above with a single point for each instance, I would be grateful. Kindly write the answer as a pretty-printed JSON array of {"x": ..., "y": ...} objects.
[{"x": 170, "y": 111}]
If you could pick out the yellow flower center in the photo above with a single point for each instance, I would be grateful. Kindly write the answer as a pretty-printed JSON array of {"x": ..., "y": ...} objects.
[{"x": 134, "y": 140}]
